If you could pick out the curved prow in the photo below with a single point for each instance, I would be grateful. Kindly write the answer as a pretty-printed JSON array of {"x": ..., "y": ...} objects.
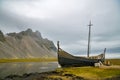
[
  {"x": 104, "y": 53},
  {"x": 58, "y": 46}
]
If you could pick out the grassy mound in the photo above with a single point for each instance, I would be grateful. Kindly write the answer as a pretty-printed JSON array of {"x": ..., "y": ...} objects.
[{"x": 91, "y": 73}]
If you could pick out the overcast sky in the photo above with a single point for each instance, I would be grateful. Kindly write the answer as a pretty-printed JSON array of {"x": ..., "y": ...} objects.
[{"x": 66, "y": 21}]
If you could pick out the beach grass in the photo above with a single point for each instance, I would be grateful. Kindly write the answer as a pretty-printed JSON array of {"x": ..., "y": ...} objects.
[
  {"x": 114, "y": 61},
  {"x": 91, "y": 73}
]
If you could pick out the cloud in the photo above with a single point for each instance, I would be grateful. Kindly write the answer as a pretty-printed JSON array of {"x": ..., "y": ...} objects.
[{"x": 65, "y": 20}]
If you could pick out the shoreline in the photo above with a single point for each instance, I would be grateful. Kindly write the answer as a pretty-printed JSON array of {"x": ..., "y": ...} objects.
[
  {"x": 72, "y": 73},
  {"x": 43, "y": 76}
]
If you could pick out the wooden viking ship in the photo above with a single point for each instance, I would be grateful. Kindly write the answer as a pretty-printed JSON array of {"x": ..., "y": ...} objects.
[{"x": 65, "y": 59}]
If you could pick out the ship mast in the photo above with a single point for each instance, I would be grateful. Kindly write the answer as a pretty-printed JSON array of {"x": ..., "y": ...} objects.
[{"x": 89, "y": 34}]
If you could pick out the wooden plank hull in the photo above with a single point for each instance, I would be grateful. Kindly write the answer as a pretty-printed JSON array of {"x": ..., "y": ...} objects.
[
  {"x": 65, "y": 59},
  {"x": 64, "y": 62}
]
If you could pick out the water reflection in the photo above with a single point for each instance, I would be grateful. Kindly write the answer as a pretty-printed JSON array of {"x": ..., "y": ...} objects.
[{"x": 26, "y": 67}]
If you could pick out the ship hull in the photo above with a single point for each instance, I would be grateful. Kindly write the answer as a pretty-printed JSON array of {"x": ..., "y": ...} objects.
[{"x": 67, "y": 60}]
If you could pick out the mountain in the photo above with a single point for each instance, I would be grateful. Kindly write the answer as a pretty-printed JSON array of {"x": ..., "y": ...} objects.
[{"x": 26, "y": 44}]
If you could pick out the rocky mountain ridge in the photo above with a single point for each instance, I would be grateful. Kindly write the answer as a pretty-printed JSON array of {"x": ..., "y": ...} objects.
[{"x": 26, "y": 44}]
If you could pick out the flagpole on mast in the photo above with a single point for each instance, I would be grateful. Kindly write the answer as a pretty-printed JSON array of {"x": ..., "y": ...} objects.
[{"x": 89, "y": 35}]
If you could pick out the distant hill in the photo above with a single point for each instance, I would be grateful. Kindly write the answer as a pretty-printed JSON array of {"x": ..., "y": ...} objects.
[{"x": 26, "y": 44}]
